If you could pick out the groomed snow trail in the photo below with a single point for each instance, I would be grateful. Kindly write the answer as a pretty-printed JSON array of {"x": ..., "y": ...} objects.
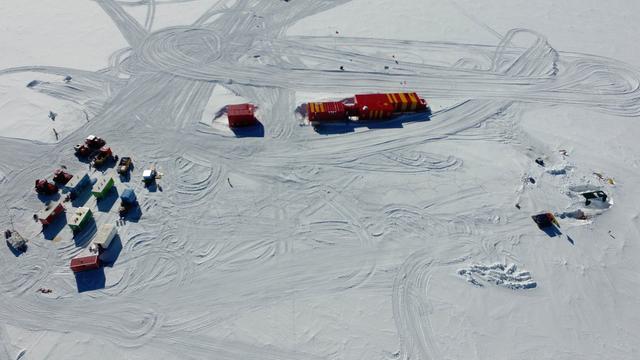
[{"x": 246, "y": 224}]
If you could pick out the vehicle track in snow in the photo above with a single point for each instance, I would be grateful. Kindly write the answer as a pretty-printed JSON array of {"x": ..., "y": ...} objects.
[{"x": 150, "y": 100}]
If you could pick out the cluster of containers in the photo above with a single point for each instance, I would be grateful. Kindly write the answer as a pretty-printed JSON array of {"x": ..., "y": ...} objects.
[
  {"x": 360, "y": 107},
  {"x": 90, "y": 258},
  {"x": 366, "y": 107},
  {"x": 79, "y": 217}
]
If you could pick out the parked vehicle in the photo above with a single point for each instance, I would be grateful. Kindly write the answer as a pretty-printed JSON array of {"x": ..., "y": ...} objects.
[
  {"x": 149, "y": 176},
  {"x": 15, "y": 241},
  {"x": 103, "y": 155},
  {"x": 124, "y": 165},
  {"x": 45, "y": 187},
  {"x": 90, "y": 146},
  {"x": 94, "y": 142},
  {"x": 128, "y": 202},
  {"x": 61, "y": 177}
]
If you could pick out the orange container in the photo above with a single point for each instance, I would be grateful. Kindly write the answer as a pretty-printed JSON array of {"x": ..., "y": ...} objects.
[
  {"x": 326, "y": 111},
  {"x": 373, "y": 106},
  {"x": 401, "y": 102},
  {"x": 406, "y": 102}
]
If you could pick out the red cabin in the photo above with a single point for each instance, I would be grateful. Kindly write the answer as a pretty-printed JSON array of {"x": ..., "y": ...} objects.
[
  {"x": 241, "y": 115},
  {"x": 366, "y": 107},
  {"x": 50, "y": 212},
  {"x": 373, "y": 106},
  {"x": 405, "y": 102},
  {"x": 326, "y": 111},
  {"x": 84, "y": 263}
]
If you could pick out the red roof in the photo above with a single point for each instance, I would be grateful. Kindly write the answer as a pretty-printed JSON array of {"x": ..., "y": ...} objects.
[
  {"x": 240, "y": 109},
  {"x": 241, "y": 115},
  {"x": 85, "y": 263}
]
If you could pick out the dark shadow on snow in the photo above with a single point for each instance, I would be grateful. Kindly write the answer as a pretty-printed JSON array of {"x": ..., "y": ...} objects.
[
  {"x": 351, "y": 126},
  {"x": 81, "y": 197},
  {"x": 52, "y": 230},
  {"x": 133, "y": 215},
  {"x": 90, "y": 280},
  {"x": 552, "y": 231},
  {"x": 152, "y": 186},
  {"x": 83, "y": 236},
  {"x": 110, "y": 256},
  {"x": 17, "y": 252},
  {"x": 106, "y": 203},
  {"x": 46, "y": 198},
  {"x": 249, "y": 131}
]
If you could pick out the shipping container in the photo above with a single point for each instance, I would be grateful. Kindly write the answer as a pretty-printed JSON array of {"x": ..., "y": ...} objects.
[
  {"x": 104, "y": 236},
  {"x": 401, "y": 102},
  {"x": 326, "y": 111},
  {"x": 373, "y": 106},
  {"x": 50, "y": 212},
  {"x": 80, "y": 218},
  {"x": 241, "y": 115},
  {"x": 102, "y": 187},
  {"x": 84, "y": 263},
  {"x": 77, "y": 183},
  {"x": 406, "y": 102}
]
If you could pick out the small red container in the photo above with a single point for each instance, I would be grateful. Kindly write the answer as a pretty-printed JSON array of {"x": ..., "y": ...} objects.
[
  {"x": 49, "y": 214},
  {"x": 85, "y": 263},
  {"x": 326, "y": 111},
  {"x": 241, "y": 115}
]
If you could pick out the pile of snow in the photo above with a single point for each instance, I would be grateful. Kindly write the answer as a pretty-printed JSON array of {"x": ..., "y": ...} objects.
[{"x": 499, "y": 274}]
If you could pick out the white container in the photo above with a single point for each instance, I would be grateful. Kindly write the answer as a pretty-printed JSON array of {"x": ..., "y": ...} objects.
[{"x": 105, "y": 235}]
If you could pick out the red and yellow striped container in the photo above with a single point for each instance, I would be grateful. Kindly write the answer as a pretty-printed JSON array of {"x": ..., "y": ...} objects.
[{"x": 326, "y": 111}]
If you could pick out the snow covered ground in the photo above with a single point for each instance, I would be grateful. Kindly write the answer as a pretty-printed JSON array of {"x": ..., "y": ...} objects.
[{"x": 347, "y": 242}]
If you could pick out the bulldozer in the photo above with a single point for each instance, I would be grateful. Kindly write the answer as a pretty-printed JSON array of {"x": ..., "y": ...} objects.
[
  {"x": 45, "y": 187},
  {"x": 104, "y": 154},
  {"x": 61, "y": 177},
  {"x": 82, "y": 150},
  {"x": 91, "y": 144},
  {"x": 94, "y": 142},
  {"x": 124, "y": 165}
]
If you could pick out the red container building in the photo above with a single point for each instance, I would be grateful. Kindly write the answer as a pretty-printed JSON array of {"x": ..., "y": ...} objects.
[
  {"x": 85, "y": 263},
  {"x": 50, "y": 212},
  {"x": 241, "y": 115},
  {"x": 406, "y": 102},
  {"x": 366, "y": 107},
  {"x": 373, "y": 106},
  {"x": 326, "y": 111}
]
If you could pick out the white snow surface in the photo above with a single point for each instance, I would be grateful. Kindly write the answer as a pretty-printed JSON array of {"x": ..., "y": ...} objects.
[{"x": 336, "y": 243}]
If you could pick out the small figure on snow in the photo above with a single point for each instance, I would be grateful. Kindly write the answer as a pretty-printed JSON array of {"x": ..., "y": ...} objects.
[{"x": 52, "y": 115}]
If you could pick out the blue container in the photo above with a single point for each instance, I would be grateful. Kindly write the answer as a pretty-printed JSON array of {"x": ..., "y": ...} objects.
[{"x": 128, "y": 196}]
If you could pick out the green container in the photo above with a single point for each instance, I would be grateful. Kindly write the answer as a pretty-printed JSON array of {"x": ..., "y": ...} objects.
[
  {"x": 102, "y": 187},
  {"x": 80, "y": 218}
]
